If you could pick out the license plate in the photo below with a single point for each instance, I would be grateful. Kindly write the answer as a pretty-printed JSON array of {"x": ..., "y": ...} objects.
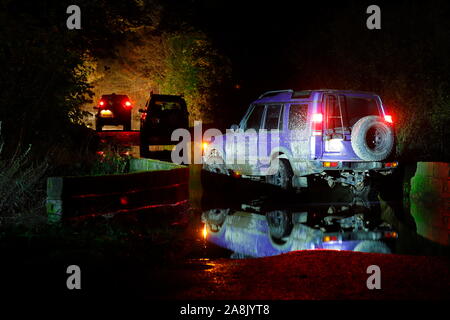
[
  {"x": 161, "y": 148},
  {"x": 106, "y": 114}
]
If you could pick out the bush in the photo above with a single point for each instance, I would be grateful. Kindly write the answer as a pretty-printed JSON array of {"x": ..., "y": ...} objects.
[
  {"x": 112, "y": 160},
  {"x": 22, "y": 192}
]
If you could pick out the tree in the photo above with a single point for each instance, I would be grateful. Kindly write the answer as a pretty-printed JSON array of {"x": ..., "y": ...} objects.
[
  {"x": 197, "y": 70},
  {"x": 168, "y": 63}
]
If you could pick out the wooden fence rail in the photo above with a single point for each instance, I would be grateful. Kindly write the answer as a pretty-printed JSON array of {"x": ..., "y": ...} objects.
[{"x": 69, "y": 197}]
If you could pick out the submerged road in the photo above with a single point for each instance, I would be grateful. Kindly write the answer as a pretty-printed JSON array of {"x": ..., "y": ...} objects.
[
  {"x": 189, "y": 267},
  {"x": 316, "y": 275}
]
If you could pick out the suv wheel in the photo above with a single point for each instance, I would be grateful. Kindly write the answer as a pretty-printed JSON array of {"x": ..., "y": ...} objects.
[
  {"x": 372, "y": 138},
  {"x": 216, "y": 218},
  {"x": 280, "y": 225},
  {"x": 215, "y": 164},
  {"x": 283, "y": 177}
]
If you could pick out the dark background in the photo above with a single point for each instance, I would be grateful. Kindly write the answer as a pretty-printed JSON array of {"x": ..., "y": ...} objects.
[
  {"x": 310, "y": 45},
  {"x": 268, "y": 45},
  {"x": 294, "y": 44}
]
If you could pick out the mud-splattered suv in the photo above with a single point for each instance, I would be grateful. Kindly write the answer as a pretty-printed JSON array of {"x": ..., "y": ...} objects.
[{"x": 338, "y": 135}]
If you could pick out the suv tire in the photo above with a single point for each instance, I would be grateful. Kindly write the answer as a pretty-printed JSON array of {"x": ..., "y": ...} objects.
[
  {"x": 215, "y": 164},
  {"x": 283, "y": 177},
  {"x": 216, "y": 218},
  {"x": 280, "y": 224},
  {"x": 372, "y": 138}
]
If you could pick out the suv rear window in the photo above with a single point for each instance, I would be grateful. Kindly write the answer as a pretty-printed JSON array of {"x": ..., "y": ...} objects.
[
  {"x": 167, "y": 105},
  {"x": 357, "y": 108},
  {"x": 353, "y": 109},
  {"x": 114, "y": 99}
]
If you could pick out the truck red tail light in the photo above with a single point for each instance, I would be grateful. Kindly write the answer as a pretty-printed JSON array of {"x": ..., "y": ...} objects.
[
  {"x": 330, "y": 238},
  {"x": 328, "y": 164},
  {"x": 127, "y": 104},
  {"x": 317, "y": 124},
  {"x": 388, "y": 118},
  {"x": 101, "y": 103},
  {"x": 391, "y": 234},
  {"x": 391, "y": 164}
]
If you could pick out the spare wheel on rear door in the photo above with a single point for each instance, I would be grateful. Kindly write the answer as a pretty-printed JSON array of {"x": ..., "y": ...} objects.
[{"x": 372, "y": 138}]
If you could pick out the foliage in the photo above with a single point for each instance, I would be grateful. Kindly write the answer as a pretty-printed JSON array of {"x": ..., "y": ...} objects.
[
  {"x": 177, "y": 62},
  {"x": 44, "y": 82},
  {"x": 133, "y": 70},
  {"x": 38, "y": 81},
  {"x": 21, "y": 187},
  {"x": 195, "y": 69},
  {"x": 110, "y": 161},
  {"x": 44, "y": 74}
]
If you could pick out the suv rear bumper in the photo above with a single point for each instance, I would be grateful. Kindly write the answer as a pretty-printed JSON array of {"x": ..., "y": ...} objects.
[
  {"x": 354, "y": 166},
  {"x": 305, "y": 168}
]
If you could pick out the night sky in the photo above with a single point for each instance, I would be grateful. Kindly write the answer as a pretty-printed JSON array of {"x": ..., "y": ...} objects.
[
  {"x": 258, "y": 36},
  {"x": 286, "y": 44}
]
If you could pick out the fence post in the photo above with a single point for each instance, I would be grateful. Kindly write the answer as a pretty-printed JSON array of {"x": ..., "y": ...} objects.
[{"x": 54, "y": 198}]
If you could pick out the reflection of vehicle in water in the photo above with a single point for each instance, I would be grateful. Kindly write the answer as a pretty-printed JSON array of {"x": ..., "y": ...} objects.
[
  {"x": 162, "y": 115},
  {"x": 113, "y": 109},
  {"x": 255, "y": 234}
]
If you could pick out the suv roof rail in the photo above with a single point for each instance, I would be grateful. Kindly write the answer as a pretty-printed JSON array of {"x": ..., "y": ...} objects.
[
  {"x": 275, "y": 91},
  {"x": 347, "y": 91}
]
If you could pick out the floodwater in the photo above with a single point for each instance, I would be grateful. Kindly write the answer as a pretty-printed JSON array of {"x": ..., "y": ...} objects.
[
  {"x": 190, "y": 251},
  {"x": 253, "y": 219}
]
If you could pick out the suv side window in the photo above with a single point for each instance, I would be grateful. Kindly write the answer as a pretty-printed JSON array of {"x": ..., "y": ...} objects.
[
  {"x": 272, "y": 117},
  {"x": 297, "y": 116},
  {"x": 254, "y": 120}
]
